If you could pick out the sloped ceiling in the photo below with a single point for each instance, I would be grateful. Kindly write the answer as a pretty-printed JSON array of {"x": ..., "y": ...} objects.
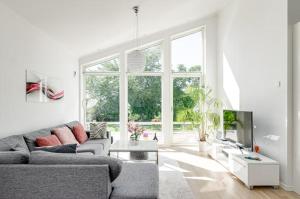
[{"x": 85, "y": 26}]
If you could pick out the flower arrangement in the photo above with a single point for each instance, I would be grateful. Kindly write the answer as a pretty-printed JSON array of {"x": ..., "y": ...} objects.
[{"x": 135, "y": 130}]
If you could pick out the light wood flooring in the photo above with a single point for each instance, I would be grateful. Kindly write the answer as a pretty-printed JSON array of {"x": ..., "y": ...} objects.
[{"x": 209, "y": 180}]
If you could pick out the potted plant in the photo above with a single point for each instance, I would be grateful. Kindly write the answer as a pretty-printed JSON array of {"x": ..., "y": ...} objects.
[
  {"x": 205, "y": 115},
  {"x": 135, "y": 131}
]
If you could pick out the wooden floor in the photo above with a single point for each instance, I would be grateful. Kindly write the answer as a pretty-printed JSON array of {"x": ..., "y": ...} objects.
[{"x": 209, "y": 180}]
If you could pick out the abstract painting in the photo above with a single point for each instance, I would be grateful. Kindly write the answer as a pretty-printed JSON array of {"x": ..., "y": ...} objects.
[{"x": 42, "y": 88}]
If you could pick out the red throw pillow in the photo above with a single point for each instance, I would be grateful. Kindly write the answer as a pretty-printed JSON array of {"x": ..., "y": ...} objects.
[
  {"x": 80, "y": 133},
  {"x": 65, "y": 135},
  {"x": 50, "y": 140}
]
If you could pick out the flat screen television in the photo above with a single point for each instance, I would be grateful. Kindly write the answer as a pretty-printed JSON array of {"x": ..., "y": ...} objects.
[{"x": 238, "y": 128}]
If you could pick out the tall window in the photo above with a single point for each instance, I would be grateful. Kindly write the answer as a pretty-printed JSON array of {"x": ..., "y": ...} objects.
[
  {"x": 187, "y": 52},
  {"x": 101, "y": 94},
  {"x": 144, "y": 94},
  {"x": 141, "y": 91}
]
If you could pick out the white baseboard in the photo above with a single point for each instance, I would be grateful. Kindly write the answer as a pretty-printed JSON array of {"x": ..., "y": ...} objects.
[{"x": 286, "y": 187}]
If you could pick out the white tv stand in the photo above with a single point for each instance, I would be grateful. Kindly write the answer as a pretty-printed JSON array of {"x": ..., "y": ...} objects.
[{"x": 250, "y": 172}]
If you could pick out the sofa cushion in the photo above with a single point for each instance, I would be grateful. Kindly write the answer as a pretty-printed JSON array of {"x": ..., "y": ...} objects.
[
  {"x": 4, "y": 146},
  {"x": 14, "y": 157},
  {"x": 15, "y": 140},
  {"x": 38, "y": 133},
  {"x": 70, "y": 125},
  {"x": 137, "y": 180},
  {"x": 95, "y": 149},
  {"x": 65, "y": 135},
  {"x": 79, "y": 133},
  {"x": 67, "y": 148},
  {"x": 39, "y": 157},
  {"x": 49, "y": 140},
  {"x": 31, "y": 144},
  {"x": 98, "y": 130}
]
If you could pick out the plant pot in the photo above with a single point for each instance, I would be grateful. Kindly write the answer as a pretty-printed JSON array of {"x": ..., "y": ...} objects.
[{"x": 203, "y": 146}]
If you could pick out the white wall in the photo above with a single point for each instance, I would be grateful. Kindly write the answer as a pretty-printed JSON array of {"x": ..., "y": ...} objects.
[
  {"x": 22, "y": 47},
  {"x": 253, "y": 59},
  {"x": 296, "y": 96},
  {"x": 294, "y": 63}
]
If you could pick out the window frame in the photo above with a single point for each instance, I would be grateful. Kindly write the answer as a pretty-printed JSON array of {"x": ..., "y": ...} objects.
[
  {"x": 195, "y": 74},
  {"x": 184, "y": 34},
  {"x": 85, "y": 73},
  {"x": 147, "y": 74},
  {"x": 167, "y": 76}
]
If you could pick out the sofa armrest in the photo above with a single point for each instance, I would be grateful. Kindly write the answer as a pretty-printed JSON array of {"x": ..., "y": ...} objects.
[{"x": 54, "y": 181}]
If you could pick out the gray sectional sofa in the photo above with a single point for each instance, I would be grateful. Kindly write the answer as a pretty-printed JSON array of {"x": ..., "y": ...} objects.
[{"x": 89, "y": 173}]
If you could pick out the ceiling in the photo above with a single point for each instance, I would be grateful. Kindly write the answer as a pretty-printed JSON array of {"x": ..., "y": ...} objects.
[{"x": 85, "y": 26}]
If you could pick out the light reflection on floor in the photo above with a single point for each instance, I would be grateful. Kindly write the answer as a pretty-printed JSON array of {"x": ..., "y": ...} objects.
[{"x": 194, "y": 160}]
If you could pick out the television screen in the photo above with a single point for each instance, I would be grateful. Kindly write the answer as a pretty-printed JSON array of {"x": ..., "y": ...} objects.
[{"x": 238, "y": 127}]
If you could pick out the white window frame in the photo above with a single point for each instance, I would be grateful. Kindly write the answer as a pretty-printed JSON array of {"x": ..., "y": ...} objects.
[
  {"x": 85, "y": 73},
  {"x": 166, "y": 74},
  {"x": 146, "y": 74},
  {"x": 200, "y": 74}
]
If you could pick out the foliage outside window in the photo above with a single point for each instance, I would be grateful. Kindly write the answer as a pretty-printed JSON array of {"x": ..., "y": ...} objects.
[
  {"x": 187, "y": 70},
  {"x": 102, "y": 80}
]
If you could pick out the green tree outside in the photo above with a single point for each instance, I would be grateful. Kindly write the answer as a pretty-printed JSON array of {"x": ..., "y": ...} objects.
[{"x": 144, "y": 92}]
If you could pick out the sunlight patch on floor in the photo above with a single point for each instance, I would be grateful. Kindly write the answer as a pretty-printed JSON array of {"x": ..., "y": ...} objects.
[
  {"x": 191, "y": 148},
  {"x": 169, "y": 167},
  {"x": 195, "y": 161},
  {"x": 201, "y": 178},
  {"x": 166, "y": 150}
]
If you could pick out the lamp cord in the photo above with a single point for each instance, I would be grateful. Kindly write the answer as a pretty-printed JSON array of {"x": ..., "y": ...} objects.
[{"x": 136, "y": 10}]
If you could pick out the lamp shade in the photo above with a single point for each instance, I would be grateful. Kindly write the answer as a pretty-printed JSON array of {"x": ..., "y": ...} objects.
[{"x": 136, "y": 61}]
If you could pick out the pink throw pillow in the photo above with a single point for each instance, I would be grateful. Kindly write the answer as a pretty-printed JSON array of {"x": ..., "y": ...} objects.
[
  {"x": 79, "y": 133},
  {"x": 50, "y": 140},
  {"x": 65, "y": 135}
]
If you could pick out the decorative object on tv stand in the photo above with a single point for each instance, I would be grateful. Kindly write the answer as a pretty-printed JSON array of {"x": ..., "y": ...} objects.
[
  {"x": 145, "y": 135},
  {"x": 136, "y": 59},
  {"x": 135, "y": 130},
  {"x": 205, "y": 115},
  {"x": 155, "y": 137},
  {"x": 42, "y": 88}
]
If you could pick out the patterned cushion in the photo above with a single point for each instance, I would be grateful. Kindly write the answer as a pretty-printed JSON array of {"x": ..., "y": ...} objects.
[
  {"x": 98, "y": 130},
  {"x": 65, "y": 135}
]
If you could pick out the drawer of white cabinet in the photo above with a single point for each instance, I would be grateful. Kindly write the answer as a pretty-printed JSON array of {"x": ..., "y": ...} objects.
[{"x": 239, "y": 170}]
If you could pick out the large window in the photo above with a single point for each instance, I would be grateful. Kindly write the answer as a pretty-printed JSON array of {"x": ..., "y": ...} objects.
[
  {"x": 187, "y": 52},
  {"x": 144, "y": 94},
  {"x": 157, "y": 97},
  {"x": 101, "y": 82}
]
